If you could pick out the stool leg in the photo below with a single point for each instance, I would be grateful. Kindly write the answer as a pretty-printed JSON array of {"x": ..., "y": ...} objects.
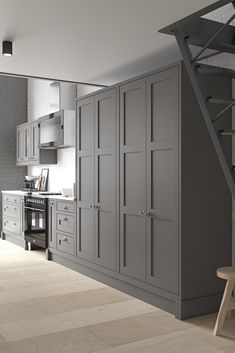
[{"x": 223, "y": 307}]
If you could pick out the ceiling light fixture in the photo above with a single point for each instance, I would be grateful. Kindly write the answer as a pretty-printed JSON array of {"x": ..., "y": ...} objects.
[{"x": 7, "y": 48}]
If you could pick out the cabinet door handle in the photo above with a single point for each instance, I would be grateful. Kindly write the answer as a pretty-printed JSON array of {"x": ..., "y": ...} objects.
[
  {"x": 96, "y": 207},
  {"x": 142, "y": 213},
  {"x": 149, "y": 214},
  {"x": 15, "y": 208},
  {"x": 65, "y": 219},
  {"x": 65, "y": 239},
  {"x": 60, "y": 222},
  {"x": 65, "y": 208},
  {"x": 91, "y": 206}
]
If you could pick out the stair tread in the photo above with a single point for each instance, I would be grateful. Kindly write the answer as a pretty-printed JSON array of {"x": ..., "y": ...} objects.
[{"x": 215, "y": 70}]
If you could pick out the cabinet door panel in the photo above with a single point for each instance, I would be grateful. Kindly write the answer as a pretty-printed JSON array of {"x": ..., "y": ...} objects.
[
  {"x": 51, "y": 224},
  {"x": 20, "y": 144},
  {"x": 133, "y": 246},
  {"x": 105, "y": 177},
  {"x": 132, "y": 179},
  {"x": 26, "y": 154},
  {"x": 86, "y": 189},
  {"x": 86, "y": 234},
  {"x": 162, "y": 179},
  {"x": 134, "y": 188},
  {"x": 85, "y": 179},
  {"x": 163, "y": 245},
  {"x": 34, "y": 142}
]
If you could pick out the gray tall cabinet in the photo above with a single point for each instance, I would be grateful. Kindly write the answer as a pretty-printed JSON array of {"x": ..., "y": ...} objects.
[{"x": 153, "y": 209}]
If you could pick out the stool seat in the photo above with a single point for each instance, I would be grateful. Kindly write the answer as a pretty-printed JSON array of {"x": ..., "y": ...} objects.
[
  {"x": 227, "y": 303},
  {"x": 227, "y": 273}
]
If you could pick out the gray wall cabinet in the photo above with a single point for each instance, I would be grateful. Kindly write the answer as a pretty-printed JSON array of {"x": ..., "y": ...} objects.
[
  {"x": 153, "y": 208},
  {"x": 27, "y": 150}
]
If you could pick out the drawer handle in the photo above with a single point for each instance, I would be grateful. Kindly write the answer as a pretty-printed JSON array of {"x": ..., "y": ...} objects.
[
  {"x": 65, "y": 219},
  {"x": 15, "y": 208},
  {"x": 15, "y": 200},
  {"x": 65, "y": 208},
  {"x": 65, "y": 239},
  {"x": 15, "y": 224}
]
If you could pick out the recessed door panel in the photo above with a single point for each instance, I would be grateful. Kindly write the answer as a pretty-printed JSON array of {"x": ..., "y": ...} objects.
[
  {"x": 163, "y": 182},
  {"x": 134, "y": 170},
  {"x": 106, "y": 180},
  {"x": 133, "y": 110},
  {"x": 86, "y": 232},
  {"x": 86, "y": 188},
  {"x": 105, "y": 239},
  {"x": 106, "y": 128},
  {"x": 134, "y": 242},
  {"x": 162, "y": 113},
  {"x": 86, "y": 122},
  {"x": 164, "y": 241}
]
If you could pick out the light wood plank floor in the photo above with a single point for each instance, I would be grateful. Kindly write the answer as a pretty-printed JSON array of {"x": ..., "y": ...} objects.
[{"x": 47, "y": 308}]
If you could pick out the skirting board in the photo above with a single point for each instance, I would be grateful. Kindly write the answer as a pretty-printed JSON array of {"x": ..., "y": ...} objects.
[
  {"x": 198, "y": 306},
  {"x": 12, "y": 239},
  {"x": 182, "y": 310},
  {"x": 138, "y": 293}
]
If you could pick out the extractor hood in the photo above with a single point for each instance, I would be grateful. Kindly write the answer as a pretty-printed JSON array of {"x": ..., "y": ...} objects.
[{"x": 57, "y": 130}]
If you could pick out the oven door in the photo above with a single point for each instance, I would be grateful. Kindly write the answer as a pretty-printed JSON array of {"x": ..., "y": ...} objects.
[{"x": 35, "y": 226}]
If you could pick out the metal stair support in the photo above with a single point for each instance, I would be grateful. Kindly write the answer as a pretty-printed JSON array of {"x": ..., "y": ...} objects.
[
  {"x": 208, "y": 34},
  {"x": 181, "y": 38}
]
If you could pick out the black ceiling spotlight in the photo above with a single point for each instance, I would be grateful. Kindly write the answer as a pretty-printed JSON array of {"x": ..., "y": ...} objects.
[{"x": 7, "y": 48}]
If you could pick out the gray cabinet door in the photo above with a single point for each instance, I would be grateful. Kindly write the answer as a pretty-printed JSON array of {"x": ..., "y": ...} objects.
[
  {"x": 34, "y": 140},
  {"x": 20, "y": 144},
  {"x": 51, "y": 224},
  {"x": 132, "y": 179},
  {"x": 162, "y": 179},
  {"x": 105, "y": 178},
  {"x": 85, "y": 179}
]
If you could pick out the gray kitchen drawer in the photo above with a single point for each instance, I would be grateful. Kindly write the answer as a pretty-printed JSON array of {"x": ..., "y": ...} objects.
[
  {"x": 65, "y": 206},
  {"x": 11, "y": 225},
  {"x": 65, "y": 223},
  {"x": 11, "y": 210},
  {"x": 11, "y": 198},
  {"x": 65, "y": 244}
]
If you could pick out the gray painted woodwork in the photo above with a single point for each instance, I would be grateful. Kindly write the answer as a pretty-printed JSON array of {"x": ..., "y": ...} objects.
[
  {"x": 34, "y": 133},
  {"x": 27, "y": 150},
  {"x": 133, "y": 179},
  {"x": 105, "y": 178},
  {"x": 162, "y": 179},
  {"x": 51, "y": 224},
  {"x": 85, "y": 174},
  {"x": 175, "y": 207}
]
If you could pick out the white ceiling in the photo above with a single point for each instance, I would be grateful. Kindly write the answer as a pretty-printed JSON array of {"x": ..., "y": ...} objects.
[{"x": 99, "y": 41}]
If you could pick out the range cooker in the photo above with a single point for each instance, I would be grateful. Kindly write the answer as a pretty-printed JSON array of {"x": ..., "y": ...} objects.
[{"x": 36, "y": 220}]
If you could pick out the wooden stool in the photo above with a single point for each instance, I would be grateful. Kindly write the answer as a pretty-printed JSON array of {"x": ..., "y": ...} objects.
[{"x": 227, "y": 303}]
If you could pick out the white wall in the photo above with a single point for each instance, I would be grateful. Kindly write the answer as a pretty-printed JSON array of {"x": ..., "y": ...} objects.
[{"x": 39, "y": 103}]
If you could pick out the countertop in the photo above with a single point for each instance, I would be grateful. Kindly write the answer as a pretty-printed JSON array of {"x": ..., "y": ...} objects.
[{"x": 53, "y": 197}]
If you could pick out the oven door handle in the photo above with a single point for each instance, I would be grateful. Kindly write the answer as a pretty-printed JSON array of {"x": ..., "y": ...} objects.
[{"x": 33, "y": 209}]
